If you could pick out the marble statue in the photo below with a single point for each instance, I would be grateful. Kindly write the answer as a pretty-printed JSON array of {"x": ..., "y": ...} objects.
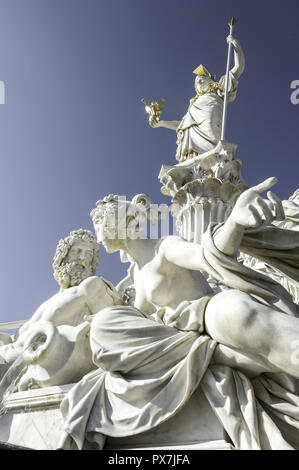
[
  {"x": 213, "y": 309},
  {"x": 54, "y": 342},
  {"x": 199, "y": 131},
  {"x": 181, "y": 334}
]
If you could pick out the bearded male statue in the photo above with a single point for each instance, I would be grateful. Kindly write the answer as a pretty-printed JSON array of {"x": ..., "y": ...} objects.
[{"x": 54, "y": 343}]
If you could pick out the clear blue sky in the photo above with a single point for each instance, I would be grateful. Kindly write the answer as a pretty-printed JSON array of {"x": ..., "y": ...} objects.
[{"x": 73, "y": 128}]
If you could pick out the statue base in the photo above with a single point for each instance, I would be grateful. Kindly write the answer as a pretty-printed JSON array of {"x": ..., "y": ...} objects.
[{"x": 33, "y": 419}]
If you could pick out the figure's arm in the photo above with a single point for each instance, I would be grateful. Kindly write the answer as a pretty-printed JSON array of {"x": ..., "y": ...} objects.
[
  {"x": 173, "y": 125},
  {"x": 185, "y": 254},
  {"x": 99, "y": 293},
  {"x": 239, "y": 57},
  {"x": 250, "y": 211}
]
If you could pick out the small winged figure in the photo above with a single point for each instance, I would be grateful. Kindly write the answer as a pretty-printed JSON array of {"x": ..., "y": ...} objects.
[{"x": 154, "y": 110}]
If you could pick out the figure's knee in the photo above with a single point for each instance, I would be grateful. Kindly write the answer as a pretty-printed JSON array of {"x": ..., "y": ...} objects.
[
  {"x": 231, "y": 306},
  {"x": 112, "y": 318},
  {"x": 109, "y": 326},
  {"x": 231, "y": 317}
]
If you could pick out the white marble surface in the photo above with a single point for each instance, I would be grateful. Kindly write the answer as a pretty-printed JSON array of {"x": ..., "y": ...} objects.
[
  {"x": 33, "y": 419},
  {"x": 172, "y": 290}
]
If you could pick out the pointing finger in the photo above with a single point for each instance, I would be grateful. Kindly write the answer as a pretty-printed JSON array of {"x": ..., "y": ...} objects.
[{"x": 265, "y": 185}]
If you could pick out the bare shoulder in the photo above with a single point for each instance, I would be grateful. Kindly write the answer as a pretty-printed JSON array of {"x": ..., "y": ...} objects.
[
  {"x": 99, "y": 293},
  {"x": 95, "y": 285},
  {"x": 92, "y": 284},
  {"x": 180, "y": 252},
  {"x": 168, "y": 242}
]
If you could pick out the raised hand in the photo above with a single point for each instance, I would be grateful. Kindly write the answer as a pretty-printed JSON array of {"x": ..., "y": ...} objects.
[
  {"x": 252, "y": 210},
  {"x": 231, "y": 39}
]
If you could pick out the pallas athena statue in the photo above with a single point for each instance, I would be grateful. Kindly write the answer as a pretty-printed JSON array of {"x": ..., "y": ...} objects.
[{"x": 209, "y": 313}]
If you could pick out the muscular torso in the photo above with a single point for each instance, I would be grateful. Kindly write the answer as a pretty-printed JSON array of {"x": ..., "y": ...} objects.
[
  {"x": 160, "y": 283},
  {"x": 71, "y": 306},
  {"x": 67, "y": 307}
]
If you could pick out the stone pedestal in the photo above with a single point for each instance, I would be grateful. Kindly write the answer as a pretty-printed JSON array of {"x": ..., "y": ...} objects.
[
  {"x": 203, "y": 189},
  {"x": 33, "y": 419}
]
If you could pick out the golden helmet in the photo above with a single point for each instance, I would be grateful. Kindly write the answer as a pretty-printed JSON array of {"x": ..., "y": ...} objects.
[{"x": 201, "y": 70}]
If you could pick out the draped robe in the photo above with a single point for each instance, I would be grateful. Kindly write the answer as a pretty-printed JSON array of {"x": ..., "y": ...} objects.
[
  {"x": 200, "y": 129},
  {"x": 149, "y": 366}
]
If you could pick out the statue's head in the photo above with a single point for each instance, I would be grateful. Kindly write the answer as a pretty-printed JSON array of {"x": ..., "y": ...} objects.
[
  {"x": 204, "y": 80},
  {"x": 115, "y": 220},
  {"x": 76, "y": 258}
]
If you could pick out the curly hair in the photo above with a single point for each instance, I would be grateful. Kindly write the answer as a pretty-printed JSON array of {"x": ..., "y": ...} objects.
[
  {"x": 115, "y": 213},
  {"x": 65, "y": 244}
]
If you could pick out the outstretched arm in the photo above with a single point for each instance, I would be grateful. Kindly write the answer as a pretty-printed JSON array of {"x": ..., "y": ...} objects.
[
  {"x": 173, "y": 125},
  {"x": 239, "y": 57},
  {"x": 250, "y": 211}
]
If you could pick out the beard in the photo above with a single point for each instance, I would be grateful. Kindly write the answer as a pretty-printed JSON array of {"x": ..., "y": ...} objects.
[{"x": 72, "y": 274}]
